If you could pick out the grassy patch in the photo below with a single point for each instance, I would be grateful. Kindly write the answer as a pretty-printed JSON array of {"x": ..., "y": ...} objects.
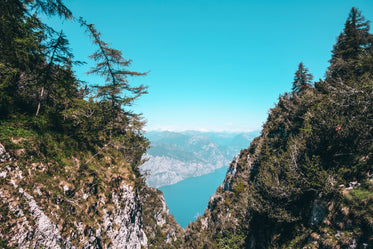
[{"x": 362, "y": 194}]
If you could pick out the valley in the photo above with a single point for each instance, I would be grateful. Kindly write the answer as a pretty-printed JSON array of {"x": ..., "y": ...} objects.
[
  {"x": 175, "y": 156},
  {"x": 188, "y": 199}
]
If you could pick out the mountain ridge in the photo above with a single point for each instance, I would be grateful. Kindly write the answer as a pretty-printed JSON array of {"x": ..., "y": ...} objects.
[{"x": 175, "y": 156}]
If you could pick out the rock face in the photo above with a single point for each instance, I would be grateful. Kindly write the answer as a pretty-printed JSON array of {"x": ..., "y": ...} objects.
[
  {"x": 32, "y": 228},
  {"x": 39, "y": 231},
  {"x": 26, "y": 222},
  {"x": 159, "y": 225},
  {"x": 221, "y": 214},
  {"x": 123, "y": 226}
]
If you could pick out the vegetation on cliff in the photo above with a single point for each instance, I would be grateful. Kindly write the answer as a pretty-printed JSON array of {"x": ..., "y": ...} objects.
[
  {"x": 70, "y": 150},
  {"x": 73, "y": 151},
  {"x": 306, "y": 181},
  {"x": 40, "y": 92}
]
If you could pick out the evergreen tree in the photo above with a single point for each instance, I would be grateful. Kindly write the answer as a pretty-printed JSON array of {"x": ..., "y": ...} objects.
[
  {"x": 302, "y": 79},
  {"x": 58, "y": 59},
  {"x": 116, "y": 93},
  {"x": 50, "y": 7},
  {"x": 352, "y": 44},
  {"x": 38, "y": 85},
  {"x": 32, "y": 55}
]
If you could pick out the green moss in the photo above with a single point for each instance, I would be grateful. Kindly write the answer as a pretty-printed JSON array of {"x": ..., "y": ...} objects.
[
  {"x": 362, "y": 194},
  {"x": 232, "y": 240},
  {"x": 239, "y": 188}
]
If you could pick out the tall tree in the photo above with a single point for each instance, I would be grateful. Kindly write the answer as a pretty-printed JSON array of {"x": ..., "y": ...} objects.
[
  {"x": 302, "y": 79},
  {"x": 58, "y": 58},
  {"x": 353, "y": 43},
  {"x": 31, "y": 54},
  {"x": 116, "y": 94}
]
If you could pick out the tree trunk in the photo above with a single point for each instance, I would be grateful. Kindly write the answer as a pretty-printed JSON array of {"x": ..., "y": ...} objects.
[{"x": 41, "y": 96}]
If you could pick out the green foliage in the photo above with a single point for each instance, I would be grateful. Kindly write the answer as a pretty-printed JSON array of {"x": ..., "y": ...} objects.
[
  {"x": 53, "y": 127},
  {"x": 232, "y": 240},
  {"x": 362, "y": 194},
  {"x": 317, "y": 139},
  {"x": 239, "y": 188},
  {"x": 302, "y": 79},
  {"x": 40, "y": 91},
  {"x": 116, "y": 94},
  {"x": 352, "y": 53}
]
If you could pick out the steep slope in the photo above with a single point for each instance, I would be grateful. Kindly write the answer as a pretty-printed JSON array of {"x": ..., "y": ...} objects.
[
  {"x": 69, "y": 164},
  {"x": 69, "y": 155},
  {"x": 306, "y": 181},
  {"x": 77, "y": 206},
  {"x": 159, "y": 225},
  {"x": 100, "y": 204}
]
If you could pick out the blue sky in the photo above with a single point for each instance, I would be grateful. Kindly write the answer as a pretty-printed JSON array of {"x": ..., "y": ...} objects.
[{"x": 213, "y": 64}]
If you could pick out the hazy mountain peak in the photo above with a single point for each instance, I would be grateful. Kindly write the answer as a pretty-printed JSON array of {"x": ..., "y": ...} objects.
[{"x": 175, "y": 156}]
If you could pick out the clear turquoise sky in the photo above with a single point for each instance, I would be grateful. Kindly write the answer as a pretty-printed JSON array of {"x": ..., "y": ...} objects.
[{"x": 214, "y": 64}]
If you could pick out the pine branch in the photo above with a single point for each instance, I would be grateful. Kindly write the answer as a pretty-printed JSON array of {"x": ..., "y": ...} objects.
[
  {"x": 111, "y": 64},
  {"x": 51, "y": 8}
]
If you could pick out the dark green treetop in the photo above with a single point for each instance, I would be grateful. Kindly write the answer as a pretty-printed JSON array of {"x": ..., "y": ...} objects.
[
  {"x": 353, "y": 43},
  {"x": 33, "y": 57},
  {"x": 354, "y": 38},
  {"x": 302, "y": 79},
  {"x": 37, "y": 80}
]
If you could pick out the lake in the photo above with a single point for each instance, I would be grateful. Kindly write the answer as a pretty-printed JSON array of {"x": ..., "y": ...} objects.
[{"x": 188, "y": 199}]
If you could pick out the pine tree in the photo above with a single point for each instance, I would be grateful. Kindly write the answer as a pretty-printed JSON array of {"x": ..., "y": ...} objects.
[
  {"x": 32, "y": 55},
  {"x": 352, "y": 44},
  {"x": 20, "y": 53},
  {"x": 116, "y": 94},
  {"x": 55, "y": 74},
  {"x": 302, "y": 80},
  {"x": 50, "y": 7}
]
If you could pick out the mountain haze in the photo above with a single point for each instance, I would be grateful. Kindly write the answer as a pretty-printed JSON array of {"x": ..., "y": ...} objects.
[{"x": 174, "y": 156}]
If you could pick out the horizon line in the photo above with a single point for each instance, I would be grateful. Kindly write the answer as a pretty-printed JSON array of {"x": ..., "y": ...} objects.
[{"x": 203, "y": 130}]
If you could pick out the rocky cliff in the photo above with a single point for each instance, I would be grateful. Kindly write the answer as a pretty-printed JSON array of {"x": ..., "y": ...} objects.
[{"x": 56, "y": 212}]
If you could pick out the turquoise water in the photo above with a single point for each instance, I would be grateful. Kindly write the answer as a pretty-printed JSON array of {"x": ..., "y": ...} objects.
[{"x": 188, "y": 199}]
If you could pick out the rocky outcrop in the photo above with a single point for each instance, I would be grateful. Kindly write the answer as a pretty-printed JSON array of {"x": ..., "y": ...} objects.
[
  {"x": 226, "y": 208},
  {"x": 160, "y": 226},
  {"x": 25, "y": 221},
  {"x": 252, "y": 209},
  {"x": 35, "y": 232},
  {"x": 123, "y": 226}
]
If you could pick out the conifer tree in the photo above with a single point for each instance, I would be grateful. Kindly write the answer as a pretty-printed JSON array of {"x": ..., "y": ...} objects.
[
  {"x": 352, "y": 44},
  {"x": 31, "y": 55},
  {"x": 354, "y": 38},
  {"x": 50, "y": 7},
  {"x": 58, "y": 55},
  {"x": 116, "y": 94},
  {"x": 302, "y": 79}
]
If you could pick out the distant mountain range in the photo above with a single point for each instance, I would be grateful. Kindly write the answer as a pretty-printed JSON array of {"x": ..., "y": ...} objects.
[{"x": 175, "y": 156}]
